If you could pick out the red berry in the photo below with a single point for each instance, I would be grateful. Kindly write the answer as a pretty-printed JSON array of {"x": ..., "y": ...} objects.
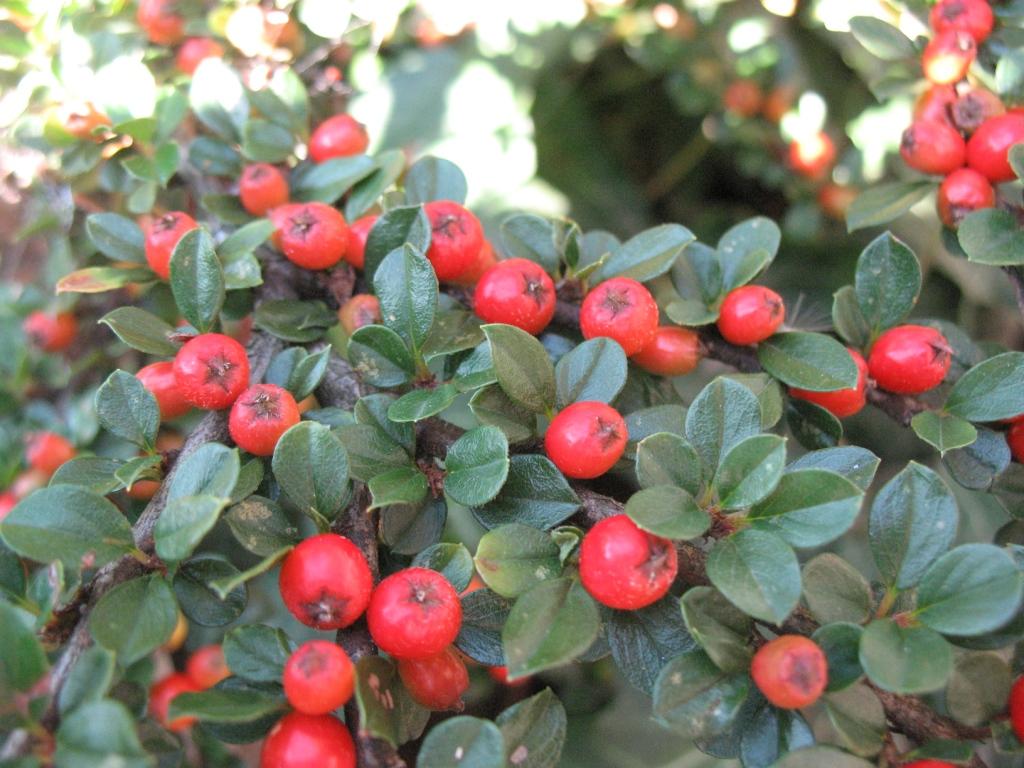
[
  {"x": 962, "y": 192},
  {"x": 262, "y": 188},
  {"x": 948, "y": 57},
  {"x": 46, "y": 451},
  {"x": 308, "y": 741},
  {"x": 259, "y": 417},
  {"x": 673, "y": 351},
  {"x": 212, "y": 370},
  {"x": 455, "y": 241},
  {"x": 841, "y": 402},
  {"x": 313, "y": 235},
  {"x": 836, "y": 199},
  {"x": 750, "y": 314},
  {"x": 1017, "y": 708},
  {"x": 586, "y": 439},
  {"x": 1015, "y": 439},
  {"x": 910, "y": 359},
  {"x": 319, "y": 677},
  {"x": 206, "y": 666},
  {"x": 484, "y": 261},
  {"x": 437, "y": 682},
  {"x": 7, "y": 502},
  {"x": 517, "y": 292},
  {"x": 936, "y": 104},
  {"x": 362, "y": 309},
  {"x": 933, "y": 147},
  {"x": 325, "y": 582},
  {"x": 928, "y": 764},
  {"x": 811, "y": 156},
  {"x": 338, "y": 136},
  {"x": 51, "y": 333},
  {"x": 624, "y": 567},
  {"x": 743, "y": 97},
  {"x": 621, "y": 309},
  {"x": 972, "y": 16},
  {"x": 358, "y": 234},
  {"x": 989, "y": 147},
  {"x": 159, "y": 379},
  {"x": 161, "y": 21},
  {"x": 162, "y": 693},
  {"x": 194, "y": 50},
  {"x": 791, "y": 671},
  {"x": 163, "y": 235},
  {"x": 973, "y": 108},
  {"x": 414, "y": 614}
]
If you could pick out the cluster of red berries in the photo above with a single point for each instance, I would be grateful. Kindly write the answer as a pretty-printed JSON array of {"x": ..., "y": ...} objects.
[
  {"x": 44, "y": 453},
  {"x": 204, "y": 669},
  {"x": 960, "y": 131}
]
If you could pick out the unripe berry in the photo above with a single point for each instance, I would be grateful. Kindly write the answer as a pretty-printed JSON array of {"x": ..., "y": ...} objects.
[
  {"x": 259, "y": 417},
  {"x": 437, "y": 682},
  {"x": 1015, "y": 439},
  {"x": 143, "y": 490},
  {"x": 586, "y": 439},
  {"x": 962, "y": 192},
  {"x": 206, "y": 666},
  {"x": 159, "y": 379},
  {"x": 624, "y": 567},
  {"x": 948, "y": 57},
  {"x": 750, "y": 314},
  {"x": 308, "y": 741},
  {"x": 262, "y": 188},
  {"x": 51, "y": 333},
  {"x": 910, "y": 359},
  {"x": 791, "y": 671},
  {"x": 162, "y": 693},
  {"x": 338, "y": 136},
  {"x": 811, "y": 156},
  {"x": 326, "y": 582},
  {"x": 358, "y": 234},
  {"x": 743, "y": 97},
  {"x": 935, "y": 148},
  {"x": 47, "y": 451},
  {"x": 973, "y": 108},
  {"x": 163, "y": 234},
  {"x": 620, "y": 309},
  {"x": 841, "y": 403},
  {"x": 312, "y": 235},
  {"x": 972, "y": 16},
  {"x": 362, "y": 309},
  {"x": 161, "y": 21},
  {"x": 517, "y": 292},
  {"x": 319, "y": 677},
  {"x": 673, "y": 351},
  {"x": 1017, "y": 708},
  {"x": 455, "y": 241},
  {"x": 414, "y": 614},
  {"x": 212, "y": 370},
  {"x": 195, "y": 50},
  {"x": 989, "y": 147}
]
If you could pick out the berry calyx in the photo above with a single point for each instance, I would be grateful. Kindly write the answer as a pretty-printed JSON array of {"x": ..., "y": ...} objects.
[
  {"x": 973, "y": 108},
  {"x": 989, "y": 147},
  {"x": 437, "y": 682},
  {"x": 936, "y": 148},
  {"x": 195, "y": 50},
  {"x": 262, "y": 188},
  {"x": 160, "y": 380},
  {"x": 972, "y": 16},
  {"x": 673, "y": 351},
  {"x": 623, "y": 310},
  {"x": 791, "y": 671},
  {"x": 455, "y": 241},
  {"x": 1017, "y": 707},
  {"x": 338, "y": 136},
  {"x": 750, "y": 314},
  {"x": 313, "y": 235},
  {"x": 325, "y": 582},
  {"x": 362, "y": 309},
  {"x": 586, "y": 439},
  {"x": 743, "y": 97},
  {"x": 207, "y": 667},
  {"x": 358, "y": 234},
  {"x": 161, "y": 21},
  {"x": 162, "y": 693},
  {"x": 414, "y": 614},
  {"x": 318, "y": 677},
  {"x": 308, "y": 741},
  {"x": 624, "y": 567},
  {"x": 910, "y": 359},
  {"x": 948, "y": 57},
  {"x": 841, "y": 403},
  {"x": 51, "y": 333},
  {"x": 1015, "y": 439},
  {"x": 164, "y": 233},
  {"x": 516, "y": 292},
  {"x": 47, "y": 451},
  {"x": 812, "y": 155},
  {"x": 259, "y": 417},
  {"x": 212, "y": 370},
  {"x": 962, "y": 192}
]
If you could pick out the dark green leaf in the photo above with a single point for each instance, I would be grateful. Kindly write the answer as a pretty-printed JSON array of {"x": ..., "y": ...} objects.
[
  {"x": 326, "y": 182},
  {"x": 856, "y": 464},
  {"x": 127, "y": 409},
  {"x": 812, "y": 426},
  {"x": 523, "y": 367},
  {"x": 816, "y": 757},
  {"x": 198, "y": 599},
  {"x": 266, "y": 142},
  {"x": 595, "y": 370},
  {"x": 452, "y": 561},
  {"x": 840, "y": 642},
  {"x": 848, "y": 319},
  {"x": 392, "y": 230},
  {"x": 215, "y": 158},
  {"x": 750, "y": 471},
  {"x": 991, "y": 390},
  {"x": 649, "y": 254},
  {"x": 888, "y": 282},
  {"x": 89, "y": 678},
  {"x": 422, "y": 403},
  {"x": 141, "y": 330},
  {"x": 905, "y": 659},
  {"x": 99, "y": 733},
  {"x": 746, "y": 249},
  {"x": 695, "y": 698},
  {"x": 884, "y": 203},
  {"x": 723, "y": 414},
  {"x": 257, "y": 652},
  {"x": 758, "y": 572},
  {"x": 977, "y": 465},
  {"x": 134, "y": 618},
  {"x": 531, "y": 237},
  {"x": 476, "y": 466},
  {"x": 371, "y": 451},
  {"x": 406, "y": 286},
  {"x": 297, "y": 321},
  {"x": 93, "y": 472},
  {"x": 535, "y": 494},
  {"x": 184, "y": 523},
  {"x": 463, "y": 742},
  {"x": 380, "y": 357},
  {"x": 402, "y": 485},
  {"x": 22, "y": 659},
  {"x": 943, "y": 431},
  {"x": 211, "y": 470},
  {"x": 483, "y": 617},
  {"x": 718, "y": 627},
  {"x": 979, "y": 688},
  {"x": 835, "y": 590},
  {"x": 667, "y": 459},
  {"x": 389, "y": 166},
  {"x": 245, "y": 239},
  {"x": 809, "y": 508},
  {"x": 992, "y": 236},
  {"x": 810, "y": 361},
  {"x": 433, "y": 178},
  {"x": 311, "y": 465},
  {"x": 116, "y": 237},
  {"x": 882, "y": 39},
  {"x": 225, "y": 706},
  {"x": 492, "y": 406},
  {"x": 514, "y": 558},
  {"x": 411, "y": 528},
  {"x": 644, "y": 641},
  {"x": 858, "y": 718},
  {"x": 197, "y": 279},
  {"x": 534, "y": 731},
  {"x": 669, "y": 511}
]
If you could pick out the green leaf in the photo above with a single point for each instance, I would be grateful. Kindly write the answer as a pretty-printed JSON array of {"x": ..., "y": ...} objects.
[
  {"x": 534, "y": 731},
  {"x": 722, "y": 415},
  {"x": 1009, "y": 78},
  {"x": 257, "y": 652},
  {"x": 668, "y": 511},
  {"x": 943, "y": 431},
  {"x": 667, "y": 459},
  {"x": 243, "y": 732},
  {"x": 246, "y": 239},
  {"x": 218, "y": 99},
  {"x": 750, "y": 471},
  {"x": 373, "y": 410},
  {"x": 225, "y": 706},
  {"x": 386, "y": 711},
  {"x": 452, "y": 561},
  {"x": 184, "y": 523},
  {"x": 229, "y": 584},
  {"x": 463, "y": 741},
  {"x": 905, "y": 659},
  {"x": 858, "y": 717},
  {"x": 758, "y": 572},
  {"x": 370, "y": 451},
  {"x": 849, "y": 321},
  {"x": 389, "y": 166},
  {"x": 856, "y": 464},
  {"x": 311, "y": 466},
  {"x": 913, "y": 521},
  {"x": 979, "y": 688},
  {"x": 882, "y": 39},
  {"x": 695, "y": 698},
  {"x": 767, "y": 733},
  {"x": 197, "y": 279},
  {"x": 195, "y": 587},
  {"x": 483, "y": 617},
  {"x": 433, "y": 178},
  {"x": 406, "y": 286},
  {"x": 22, "y": 659},
  {"x": 326, "y": 182},
  {"x": 127, "y": 409},
  {"x": 409, "y": 529},
  {"x": 527, "y": 236},
  {"x": 816, "y": 757},
  {"x": 212, "y": 470},
  {"x": 134, "y": 618},
  {"x": 456, "y": 330},
  {"x": 534, "y": 494},
  {"x": 969, "y": 591},
  {"x": 644, "y": 641},
  {"x": 141, "y": 330},
  {"x": 242, "y": 272},
  {"x": 476, "y": 466},
  {"x": 992, "y": 236},
  {"x": 420, "y": 404},
  {"x": 100, "y": 733},
  {"x": 840, "y": 642},
  {"x": 835, "y": 590},
  {"x": 67, "y": 523},
  {"x": 648, "y": 254},
  {"x": 522, "y": 366},
  {"x": 297, "y": 321},
  {"x": 492, "y": 406},
  {"x": 380, "y": 357},
  {"x": 215, "y": 158},
  {"x": 102, "y": 279},
  {"x": 977, "y": 465},
  {"x": 718, "y": 627},
  {"x": 991, "y": 390},
  {"x": 810, "y": 361},
  {"x": 809, "y": 508},
  {"x": 393, "y": 229},
  {"x": 95, "y": 473},
  {"x": 812, "y": 426},
  {"x": 746, "y": 249},
  {"x": 698, "y": 283},
  {"x": 402, "y": 485},
  {"x": 887, "y": 283},
  {"x": 595, "y": 370},
  {"x": 116, "y": 237},
  {"x": 514, "y": 558},
  {"x": 265, "y": 142},
  {"x": 550, "y": 625},
  {"x": 89, "y": 678},
  {"x": 884, "y": 203}
]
